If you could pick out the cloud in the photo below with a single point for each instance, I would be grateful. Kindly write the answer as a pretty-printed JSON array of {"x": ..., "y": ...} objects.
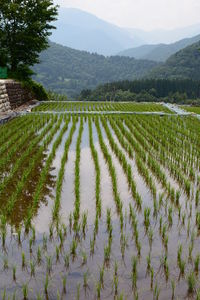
[{"x": 144, "y": 14}]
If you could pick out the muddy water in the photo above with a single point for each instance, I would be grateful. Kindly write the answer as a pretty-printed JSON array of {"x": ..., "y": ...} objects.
[
  {"x": 67, "y": 196},
  {"x": 87, "y": 178},
  {"x": 106, "y": 183}
]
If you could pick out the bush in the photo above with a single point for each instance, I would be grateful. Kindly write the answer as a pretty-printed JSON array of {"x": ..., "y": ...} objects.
[{"x": 36, "y": 89}]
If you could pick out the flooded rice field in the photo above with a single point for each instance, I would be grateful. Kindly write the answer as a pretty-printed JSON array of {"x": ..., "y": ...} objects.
[{"x": 100, "y": 207}]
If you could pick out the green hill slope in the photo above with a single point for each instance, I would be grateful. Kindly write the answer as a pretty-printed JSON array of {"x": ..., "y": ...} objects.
[
  {"x": 69, "y": 71},
  {"x": 185, "y": 64}
]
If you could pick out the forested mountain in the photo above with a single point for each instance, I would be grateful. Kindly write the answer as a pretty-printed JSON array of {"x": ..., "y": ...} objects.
[
  {"x": 177, "y": 80},
  {"x": 68, "y": 71},
  {"x": 83, "y": 31},
  {"x": 159, "y": 52},
  {"x": 183, "y": 64}
]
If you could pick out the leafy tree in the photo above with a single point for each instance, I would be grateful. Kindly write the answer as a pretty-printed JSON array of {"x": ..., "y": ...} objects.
[{"x": 25, "y": 26}]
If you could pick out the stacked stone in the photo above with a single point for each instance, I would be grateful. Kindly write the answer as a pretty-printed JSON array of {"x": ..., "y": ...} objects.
[
  {"x": 4, "y": 100},
  {"x": 17, "y": 94}
]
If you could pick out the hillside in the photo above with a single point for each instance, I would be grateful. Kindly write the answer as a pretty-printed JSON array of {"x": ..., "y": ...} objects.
[
  {"x": 183, "y": 64},
  {"x": 159, "y": 52},
  {"x": 69, "y": 71},
  {"x": 83, "y": 31}
]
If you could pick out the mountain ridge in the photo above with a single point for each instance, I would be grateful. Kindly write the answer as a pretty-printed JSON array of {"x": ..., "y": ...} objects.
[
  {"x": 160, "y": 52},
  {"x": 68, "y": 71}
]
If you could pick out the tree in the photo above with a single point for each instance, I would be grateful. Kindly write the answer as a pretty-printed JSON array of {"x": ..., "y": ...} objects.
[{"x": 25, "y": 26}]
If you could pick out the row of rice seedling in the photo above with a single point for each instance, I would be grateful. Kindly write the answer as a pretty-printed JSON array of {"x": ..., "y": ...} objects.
[
  {"x": 26, "y": 154},
  {"x": 15, "y": 147},
  {"x": 152, "y": 164},
  {"x": 193, "y": 109},
  {"x": 27, "y": 172},
  {"x": 112, "y": 171},
  {"x": 184, "y": 155},
  {"x": 101, "y": 106},
  {"x": 164, "y": 159},
  {"x": 76, "y": 212},
  {"x": 12, "y": 127},
  {"x": 97, "y": 170},
  {"x": 60, "y": 178},
  {"x": 44, "y": 173},
  {"x": 122, "y": 159}
]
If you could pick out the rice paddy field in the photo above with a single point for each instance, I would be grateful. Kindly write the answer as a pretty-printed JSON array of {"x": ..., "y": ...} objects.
[
  {"x": 101, "y": 106},
  {"x": 194, "y": 109},
  {"x": 99, "y": 206}
]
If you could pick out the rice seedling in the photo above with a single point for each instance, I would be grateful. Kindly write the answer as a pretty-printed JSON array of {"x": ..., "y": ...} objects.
[
  {"x": 57, "y": 253},
  {"x": 39, "y": 255},
  {"x": 147, "y": 212},
  {"x": 191, "y": 279},
  {"x": 49, "y": 264},
  {"x": 73, "y": 247},
  {"x": 64, "y": 283},
  {"x": 152, "y": 277},
  {"x": 148, "y": 259},
  {"x": 101, "y": 276},
  {"x": 23, "y": 260},
  {"x": 78, "y": 291},
  {"x": 84, "y": 257},
  {"x": 182, "y": 265},
  {"x": 156, "y": 291},
  {"x": 25, "y": 291},
  {"x": 198, "y": 294},
  {"x": 85, "y": 280},
  {"x": 46, "y": 284},
  {"x": 5, "y": 263},
  {"x": 14, "y": 269},
  {"x": 196, "y": 263},
  {"x": 66, "y": 261},
  {"x": 32, "y": 268},
  {"x": 134, "y": 273},
  {"x": 173, "y": 285},
  {"x": 98, "y": 289}
]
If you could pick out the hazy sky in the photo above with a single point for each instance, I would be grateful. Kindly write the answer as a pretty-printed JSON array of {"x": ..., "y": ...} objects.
[{"x": 144, "y": 14}]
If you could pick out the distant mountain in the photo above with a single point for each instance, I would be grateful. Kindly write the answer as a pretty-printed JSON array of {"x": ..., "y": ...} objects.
[
  {"x": 69, "y": 71},
  {"x": 83, "y": 31},
  {"x": 159, "y": 52},
  {"x": 184, "y": 64},
  {"x": 165, "y": 36}
]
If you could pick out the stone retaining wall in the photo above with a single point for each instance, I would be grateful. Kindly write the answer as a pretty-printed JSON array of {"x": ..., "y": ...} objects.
[
  {"x": 12, "y": 95},
  {"x": 4, "y": 100}
]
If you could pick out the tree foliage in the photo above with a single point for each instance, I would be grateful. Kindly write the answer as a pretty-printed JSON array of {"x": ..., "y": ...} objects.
[
  {"x": 147, "y": 90},
  {"x": 68, "y": 71},
  {"x": 25, "y": 26},
  {"x": 183, "y": 64}
]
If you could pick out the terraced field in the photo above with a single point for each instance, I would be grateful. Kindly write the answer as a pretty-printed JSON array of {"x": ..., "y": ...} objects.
[
  {"x": 101, "y": 106},
  {"x": 99, "y": 207},
  {"x": 194, "y": 109}
]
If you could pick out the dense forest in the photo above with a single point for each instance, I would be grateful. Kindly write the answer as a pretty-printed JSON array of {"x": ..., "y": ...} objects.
[
  {"x": 145, "y": 90},
  {"x": 68, "y": 71},
  {"x": 183, "y": 64}
]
